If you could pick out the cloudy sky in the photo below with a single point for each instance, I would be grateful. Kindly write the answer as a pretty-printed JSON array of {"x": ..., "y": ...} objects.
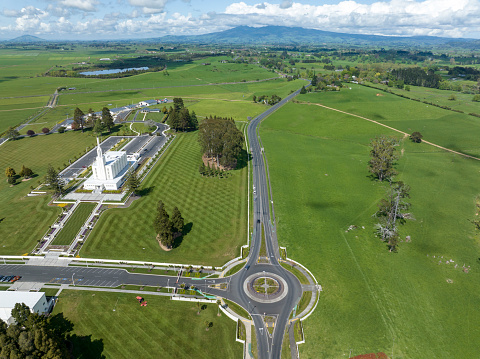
[{"x": 123, "y": 19}]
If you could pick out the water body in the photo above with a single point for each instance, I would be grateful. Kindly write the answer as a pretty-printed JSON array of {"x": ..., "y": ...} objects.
[{"x": 111, "y": 71}]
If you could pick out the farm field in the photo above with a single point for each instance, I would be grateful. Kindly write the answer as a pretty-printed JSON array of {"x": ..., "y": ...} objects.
[
  {"x": 214, "y": 210},
  {"x": 433, "y": 123},
  {"x": 404, "y": 304},
  {"x": 24, "y": 219},
  {"x": 115, "y": 325},
  {"x": 67, "y": 234}
]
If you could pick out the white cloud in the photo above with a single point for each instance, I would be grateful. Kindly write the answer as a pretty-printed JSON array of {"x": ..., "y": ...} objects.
[
  {"x": 396, "y": 17},
  {"x": 85, "y": 5},
  {"x": 149, "y": 6}
]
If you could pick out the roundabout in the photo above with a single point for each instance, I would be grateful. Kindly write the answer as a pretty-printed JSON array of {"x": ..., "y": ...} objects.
[{"x": 265, "y": 287}]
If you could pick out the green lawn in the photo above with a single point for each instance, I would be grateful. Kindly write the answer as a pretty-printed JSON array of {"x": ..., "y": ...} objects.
[
  {"x": 24, "y": 220},
  {"x": 162, "y": 329},
  {"x": 74, "y": 223},
  {"x": 373, "y": 300},
  {"x": 214, "y": 210}
]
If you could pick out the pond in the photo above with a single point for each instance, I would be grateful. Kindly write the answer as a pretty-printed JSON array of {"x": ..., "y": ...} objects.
[{"x": 111, "y": 71}]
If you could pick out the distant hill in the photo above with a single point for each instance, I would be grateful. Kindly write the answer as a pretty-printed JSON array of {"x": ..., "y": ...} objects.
[
  {"x": 27, "y": 39},
  {"x": 283, "y": 35}
]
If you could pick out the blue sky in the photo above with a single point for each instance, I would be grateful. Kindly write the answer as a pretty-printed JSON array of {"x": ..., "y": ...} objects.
[{"x": 123, "y": 19}]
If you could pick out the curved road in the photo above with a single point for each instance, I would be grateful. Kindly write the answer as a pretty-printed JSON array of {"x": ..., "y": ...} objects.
[{"x": 269, "y": 345}]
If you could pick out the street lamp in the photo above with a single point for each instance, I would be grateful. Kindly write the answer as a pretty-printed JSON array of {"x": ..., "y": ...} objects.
[{"x": 73, "y": 280}]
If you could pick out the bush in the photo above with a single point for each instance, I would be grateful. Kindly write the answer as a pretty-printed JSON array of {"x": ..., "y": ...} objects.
[
  {"x": 30, "y": 133},
  {"x": 45, "y": 130},
  {"x": 452, "y": 97},
  {"x": 476, "y": 98},
  {"x": 61, "y": 129}
]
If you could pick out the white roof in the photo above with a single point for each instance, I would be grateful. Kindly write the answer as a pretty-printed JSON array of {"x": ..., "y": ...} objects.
[{"x": 8, "y": 299}]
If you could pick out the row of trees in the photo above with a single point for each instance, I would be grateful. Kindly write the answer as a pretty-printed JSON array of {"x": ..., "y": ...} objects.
[
  {"x": 179, "y": 117},
  {"x": 98, "y": 124},
  {"x": 391, "y": 210},
  {"x": 272, "y": 100},
  {"x": 168, "y": 229},
  {"x": 220, "y": 139}
]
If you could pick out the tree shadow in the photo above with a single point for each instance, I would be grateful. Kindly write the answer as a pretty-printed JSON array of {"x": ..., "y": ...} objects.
[
  {"x": 83, "y": 347},
  {"x": 186, "y": 229},
  {"x": 145, "y": 191},
  {"x": 60, "y": 325},
  {"x": 243, "y": 158}
]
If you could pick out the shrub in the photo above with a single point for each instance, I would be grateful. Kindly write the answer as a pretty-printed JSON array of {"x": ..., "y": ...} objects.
[
  {"x": 61, "y": 129},
  {"x": 45, "y": 130},
  {"x": 30, "y": 133}
]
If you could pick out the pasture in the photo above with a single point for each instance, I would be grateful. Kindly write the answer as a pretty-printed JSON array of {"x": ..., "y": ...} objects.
[
  {"x": 452, "y": 130},
  {"x": 410, "y": 304},
  {"x": 115, "y": 325},
  {"x": 214, "y": 209}
]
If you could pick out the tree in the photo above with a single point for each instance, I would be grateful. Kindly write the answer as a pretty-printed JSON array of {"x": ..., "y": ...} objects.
[
  {"x": 416, "y": 137},
  {"x": 98, "y": 127},
  {"x": 107, "y": 119},
  {"x": 30, "y": 133},
  {"x": 11, "y": 134},
  {"x": 20, "y": 313},
  {"x": 452, "y": 97},
  {"x": 133, "y": 182},
  {"x": 303, "y": 90},
  {"x": 75, "y": 126},
  {"x": 164, "y": 109},
  {"x": 407, "y": 88},
  {"x": 52, "y": 179},
  {"x": 61, "y": 129},
  {"x": 163, "y": 226},
  {"x": 178, "y": 103},
  {"x": 314, "y": 79},
  {"x": 11, "y": 180},
  {"x": 193, "y": 121},
  {"x": 45, "y": 130},
  {"x": 177, "y": 221},
  {"x": 78, "y": 117},
  {"x": 383, "y": 157},
  {"x": 476, "y": 98},
  {"x": 10, "y": 172},
  {"x": 254, "y": 98},
  {"x": 391, "y": 211},
  {"x": 27, "y": 172}
]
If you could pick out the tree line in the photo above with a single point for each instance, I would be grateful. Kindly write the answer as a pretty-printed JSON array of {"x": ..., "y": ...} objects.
[
  {"x": 221, "y": 140},
  {"x": 98, "y": 124}
]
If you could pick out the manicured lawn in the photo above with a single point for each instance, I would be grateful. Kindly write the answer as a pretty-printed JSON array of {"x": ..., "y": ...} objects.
[
  {"x": 214, "y": 209},
  {"x": 162, "y": 329},
  {"x": 74, "y": 223},
  {"x": 373, "y": 300},
  {"x": 24, "y": 220}
]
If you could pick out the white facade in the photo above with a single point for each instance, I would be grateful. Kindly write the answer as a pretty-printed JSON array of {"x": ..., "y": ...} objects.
[
  {"x": 36, "y": 301},
  {"x": 108, "y": 170}
]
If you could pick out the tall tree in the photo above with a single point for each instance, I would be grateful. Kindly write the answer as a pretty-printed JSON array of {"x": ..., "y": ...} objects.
[
  {"x": 107, "y": 119},
  {"x": 193, "y": 121},
  {"x": 98, "y": 126},
  {"x": 177, "y": 220},
  {"x": 133, "y": 182},
  {"x": 391, "y": 212},
  {"x": 383, "y": 153},
  {"x": 10, "y": 172},
  {"x": 78, "y": 117},
  {"x": 178, "y": 103},
  {"x": 53, "y": 180},
  {"x": 163, "y": 226},
  {"x": 11, "y": 134}
]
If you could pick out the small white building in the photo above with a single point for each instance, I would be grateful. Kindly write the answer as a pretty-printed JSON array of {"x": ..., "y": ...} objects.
[{"x": 36, "y": 301}]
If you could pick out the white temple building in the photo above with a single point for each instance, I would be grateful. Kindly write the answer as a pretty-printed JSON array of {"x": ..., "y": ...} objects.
[{"x": 109, "y": 169}]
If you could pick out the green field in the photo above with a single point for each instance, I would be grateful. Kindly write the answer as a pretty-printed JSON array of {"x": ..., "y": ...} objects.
[
  {"x": 214, "y": 210},
  {"x": 433, "y": 123},
  {"x": 372, "y": 300},
  {"x": 24, "y": 220},
  {"x": 75, "y": 222},
  {"x": 162, "y": 329}
]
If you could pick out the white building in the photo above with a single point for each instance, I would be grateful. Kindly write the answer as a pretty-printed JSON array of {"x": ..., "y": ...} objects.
[
  {"x": 36, "y": 301},
  {"x": 109, "y": 170}
]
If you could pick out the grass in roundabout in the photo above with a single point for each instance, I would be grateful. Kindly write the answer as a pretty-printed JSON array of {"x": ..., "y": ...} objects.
[
  {"x": 162, "y": 329},
  {"x": 74, "y": 223},
  {"x": 24, "y": 220},
  {"x": 214, "y": 210},
  {"x": 411, "y": 303}
]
